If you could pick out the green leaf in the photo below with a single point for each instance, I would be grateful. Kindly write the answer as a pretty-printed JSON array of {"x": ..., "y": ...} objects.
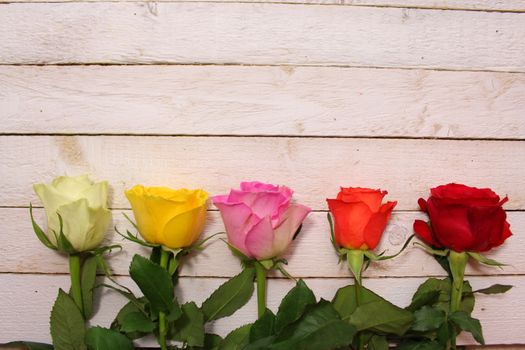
[
  {"x": 87, "y": 283},
  {"x": 428, "y": 318},
  {"x": 127, "y": 320},
  {"x": 383, "y": 316},
  {"x": 468, "y": 324},
  {"x": 374, "y": 313},
  {"x": 230, "y": 296},
  {"x": 211, "y": 342},
  {"x": 26, "y": 345},
  {"x": 263, "y": 327},
  {"x": 189, "y": 328},
  {"x": 427, "y": 291},
  {"x": 154, "y": 282},
  {"x": 320, "y": 328},
  {"x": 237, "y": 339},
  {"x": 378, "y": 342},
  {"x": 40, "y": 234},
  {"x": 98, "y": 338},
  {"x": 293, "y": 305},
  {"x": 135, "y": 321},
  {"x": 419, "y": 345},
  {"x": 422, "y": 298},
  {"x": 344, "y": 301},
  {"x": 67, "y": 324},
  {"x": 494, "y": 289}
]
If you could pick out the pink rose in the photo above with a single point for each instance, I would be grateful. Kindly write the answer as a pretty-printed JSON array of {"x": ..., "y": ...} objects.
[{"x": 260, "y": 219}]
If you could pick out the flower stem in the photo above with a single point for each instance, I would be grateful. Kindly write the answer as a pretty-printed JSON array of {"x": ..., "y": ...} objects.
[
  {"x": 76, "y": 289},
  {"x": 355, "y": 260},
  {"x": 457, "y": 262},
  {"x": 163, "y": 330},
  {"x": 260, "y": 276}
]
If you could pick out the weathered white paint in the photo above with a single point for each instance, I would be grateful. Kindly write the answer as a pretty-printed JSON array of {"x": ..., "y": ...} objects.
[
  {"x": 310, "y": 255},
  {"x": 313, "y": 167},
  {"x": 474, "y": 5},
  {"x": 482, "y": 5},
  {"x": 33, "y": 295},
  {"x": 244, "y": 33},
  {"x": 236, "y": 100}
]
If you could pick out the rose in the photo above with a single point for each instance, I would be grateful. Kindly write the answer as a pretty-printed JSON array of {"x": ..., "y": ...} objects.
[
  {"x": 260, "y": 219},
  {"x": 463, "y": 218},
  {"x": 173, "y": 218},
  {"x": 82, "y": 207},
  {"x": 359, "y": 217}
]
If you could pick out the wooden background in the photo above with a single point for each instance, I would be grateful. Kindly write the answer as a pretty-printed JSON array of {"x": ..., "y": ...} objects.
[{"x": 401, "y": 95}]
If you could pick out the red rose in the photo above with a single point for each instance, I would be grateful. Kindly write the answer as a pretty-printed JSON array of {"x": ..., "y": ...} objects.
[
  {"x": 463, "y": 218},
  {"x": 359, "y": 217}
]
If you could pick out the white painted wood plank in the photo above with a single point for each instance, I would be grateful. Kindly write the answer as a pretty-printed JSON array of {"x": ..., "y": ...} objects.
[
  {"x": 26, "y": 302},
  {"x": 313, "y": 167},
  {"x": 310, "y": 255},
  {"x": 474, "y": 5},
  {"x": 481, "y": 5},
  {"x": 236, "y": 100},
  {"x": 242, "y": 33}
]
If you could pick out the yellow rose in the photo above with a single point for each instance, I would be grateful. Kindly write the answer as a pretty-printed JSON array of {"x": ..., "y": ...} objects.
[
  {"x": 82, "y": 206},
  {"x": 173, "y": 218}
]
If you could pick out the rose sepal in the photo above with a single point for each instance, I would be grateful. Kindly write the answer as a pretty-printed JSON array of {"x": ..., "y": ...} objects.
[
  {"x": 177, "y": 253},
  {"x": 432, "y": 251},
  {"x": 341, "y": 252},
  {"x": 484, "y": 260}
]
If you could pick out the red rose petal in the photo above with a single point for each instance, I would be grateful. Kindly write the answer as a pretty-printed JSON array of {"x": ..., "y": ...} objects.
[{"x": 424, "y": 232}]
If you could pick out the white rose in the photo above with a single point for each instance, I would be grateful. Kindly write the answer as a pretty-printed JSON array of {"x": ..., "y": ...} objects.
[{"x": 82, "y": 206}]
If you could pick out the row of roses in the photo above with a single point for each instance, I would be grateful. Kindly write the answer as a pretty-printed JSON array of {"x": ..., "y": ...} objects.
[{"x": 261, "y": 221}]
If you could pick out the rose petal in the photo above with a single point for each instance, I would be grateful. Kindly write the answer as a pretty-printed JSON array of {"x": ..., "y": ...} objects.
[
  {"x": 289, "y": 223},
  {"x": 424, "y": 232},
  {"x": 238, "y": 221},
  {"x": 450, "y": 224},
  {"x": 350, "y": 220},
  {"x": 262, "y": 203},
  {"x": 256, "y": 186},
  {"x": 83, "y": 226},
  {"x": 422, "y": 205},
  {"x": 370, "y": 197},
  {"x": 184, "y": 229},
  {"x": 260, "y": 240},
  {"x": 461, "y": 194},
  {"x": 487, "y": 224},
  {"x": 377, "y": 223}
]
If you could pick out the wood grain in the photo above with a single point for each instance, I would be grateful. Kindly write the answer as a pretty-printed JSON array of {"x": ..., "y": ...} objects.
[
  {"x": 314, "y": 168},
  {"x": 236, "y": 100},
  {"x": 472, "y": 5},
  {"x": 244, "y": 33},
  {"x": 33, "y": 295},
  {"x": 310, "y": 255}
]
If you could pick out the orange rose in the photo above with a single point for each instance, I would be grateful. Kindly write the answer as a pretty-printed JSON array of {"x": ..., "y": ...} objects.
[{"x": 359, "y": 217}]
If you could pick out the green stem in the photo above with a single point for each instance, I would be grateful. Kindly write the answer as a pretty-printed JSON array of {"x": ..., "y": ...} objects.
[
  {"x": 457, "y": 262},
  {"x": 76, "y": 288},
  {"x": 358, "y": 299},
  {"x": 260, "y": 276},
  {"x": 356, "y": 258},
  {"x": 163, "y": 330}
]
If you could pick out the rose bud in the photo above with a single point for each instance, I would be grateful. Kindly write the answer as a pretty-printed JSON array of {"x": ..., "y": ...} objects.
[
  {"x": 172, "y": 218},
  {"x": 359, "y": 217},
  {"x": 82, "y": 207},
  {"x": 260, "y": 219},
  {"x": 463, "y": 219}
]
